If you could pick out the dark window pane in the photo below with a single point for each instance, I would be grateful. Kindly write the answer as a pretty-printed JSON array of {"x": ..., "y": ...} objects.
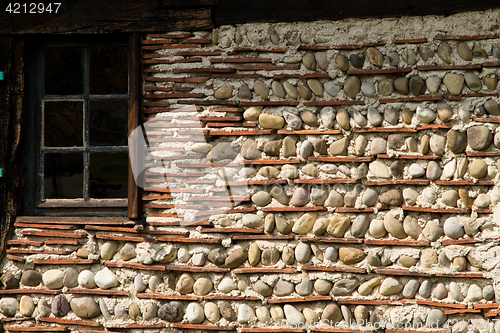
[
  {"x": 108, "y": 175},
  {"x": 108, "y": 70},
  {"x": 63, "y": 71},
  {"x": 63, "y": 176},
  {"x": 108, "y": 123},
  {"x": 63, "y": 124}
]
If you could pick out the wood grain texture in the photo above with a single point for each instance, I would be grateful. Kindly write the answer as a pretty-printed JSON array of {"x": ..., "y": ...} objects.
[
  {"x": 13, "y": 102},
  {"x": 134, "y": 120},
  {"x": 40, "y": 328},
  {"x": 94, "y": 16}
]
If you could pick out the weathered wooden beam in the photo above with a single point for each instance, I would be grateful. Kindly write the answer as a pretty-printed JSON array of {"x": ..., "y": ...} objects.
[
  {"x": 96, "y": 16},
  {"x": 12, "y": 142},
  {"x": 233, "y": 11},
  {"x": 134, "y": 120}
]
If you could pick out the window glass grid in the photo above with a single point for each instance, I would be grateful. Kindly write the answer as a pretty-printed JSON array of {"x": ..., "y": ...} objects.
[{"x": 86, "y": 99}]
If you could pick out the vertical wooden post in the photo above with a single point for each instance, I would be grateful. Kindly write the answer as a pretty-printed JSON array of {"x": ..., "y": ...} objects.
[
  {"x": 12, "y": 142},
  {"x": 134, "y": 120}
]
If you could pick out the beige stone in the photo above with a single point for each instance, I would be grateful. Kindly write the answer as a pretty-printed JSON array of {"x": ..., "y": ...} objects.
[
  {"x": 375, "y": 56},
  {"x": 341, "y": 62},
  {"x": 352, "y": 86},
  {"x": 454, "y": 83},
  {"x": 338, "y": 225},
  {"x": 224, "y": 92},
  {"x": 394, "y": 226},
  {"x": 428, "y": 258},
  {"x": 304, "y": 224},
  {"x": 350, "y": 255},
  {"x": 254, "y": 254},
  {"x": 271, "y": 121},
  {"x": 339, "y": 147}
]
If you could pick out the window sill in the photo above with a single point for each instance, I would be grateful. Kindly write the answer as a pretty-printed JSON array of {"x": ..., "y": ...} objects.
[{"x": 96, "y": 203}]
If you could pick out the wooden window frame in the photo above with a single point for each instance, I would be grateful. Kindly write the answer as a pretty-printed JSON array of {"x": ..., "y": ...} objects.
[{"x": 132, "y": 205}]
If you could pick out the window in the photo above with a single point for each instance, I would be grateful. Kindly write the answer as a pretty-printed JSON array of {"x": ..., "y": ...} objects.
[{"x": 81, "y": 110}]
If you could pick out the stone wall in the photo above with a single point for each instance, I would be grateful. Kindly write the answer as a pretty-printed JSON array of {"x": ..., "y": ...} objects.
[{"x": 335, "y": 171}]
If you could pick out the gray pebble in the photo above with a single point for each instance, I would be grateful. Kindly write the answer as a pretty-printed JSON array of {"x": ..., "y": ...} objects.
[
  {"x": 244, "y": 92},
  {"x": 305, "y": 287},
  {"x": 274, "y": 36},
  {"x": 495, "y": 52},
  {"x": 327, "y": 116},
  {"x": 104, "y": 309},
  {"x": 280, "y": 195},
  {"x": 217, "y": 256},
  {"x": 309, "y": 61},
  {"x": 401, "y": 85},
  {"x": 433, "y": 84},
  {"x": 378, "y": 146},
  {"x": 391, "y": 115},
  {"x": 373, "y": 259},
  {"x": 171, "y": 312},
  {"x": 278, "y": 89},
  {"x": 393, "y": 58},
  {"x": 321, "y": 60},
  {"x": 370, "y": 197},
  {"x": 9, "y": 306},
  {"x": 302, "y": 252},
  {"x": 306, "y": 149},
  {"x": 411, "y": 57},
  {"x": 473, "y": 81},
  {"x": 331, "y": 88},
  {"x": 435, "y": 318},
  {"x": 288, "y": 255},
  {"x": 70, "y": 277},
  {"x": 444, "y": 52},
  {"x": 464, "y": 51},
  {"x": 386, "y": 87},
  {"x": 368, "y": 89},
  {"x": 292, "y": 120},
  {"x": 425, "y": 52},
  {"x": 291, "y": 90},
  {"x": 411, "y": 288},
  {"x": 150, "y": 311},
  {"x": 283, "y": 225},
  {"x": 488, "y": 292},
  {"x": 360, "y": 226},
  {"x": 452, "y": 228},
  {"x": 43, "y": 308},
  {"x": 322, "y": 287},
  {"x": 358, "y": 117},
  {"x": 283, "y": 288},
  {"x": 416, "y": 86},
  {"x": 120, "y": 311},
  {"x": 425, "y": 115},
  {"x": 262, "y": 288},
  {"x": 331, "y": 254},
  {"x": 456, "y": 292},
  {"x": 425, "y": 289},
  {"x": 397, "y": 168},
  {"x": 198, "y": 259},
  {"x": 440, "y": 291},
  {"x": 374, "y": 117},
  {"x": 32, "y": 278},
  {"x": 227, "y": 311},
  {"x": 344, "y": 287}
]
